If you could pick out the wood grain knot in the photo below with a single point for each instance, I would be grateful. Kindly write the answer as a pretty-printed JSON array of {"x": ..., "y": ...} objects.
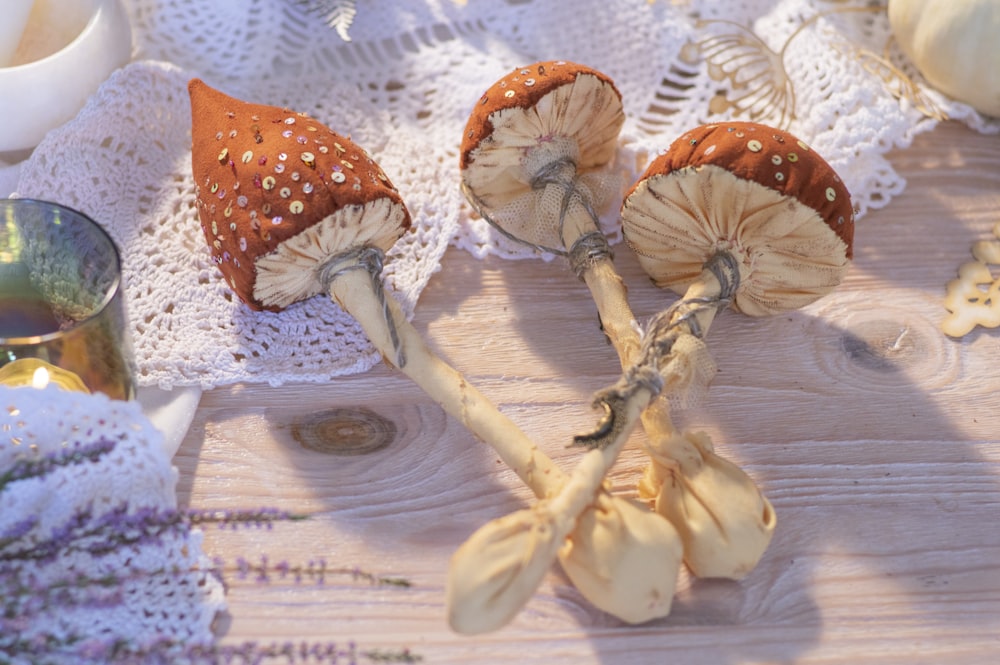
[
  {"x": 883, "y": 346},
  {"x": 357, "y": 431},
  {"x": 884, "y": 343}
]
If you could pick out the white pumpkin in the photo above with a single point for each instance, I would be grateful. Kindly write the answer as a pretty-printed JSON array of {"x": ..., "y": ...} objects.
[{"x": 956, "y": 46}]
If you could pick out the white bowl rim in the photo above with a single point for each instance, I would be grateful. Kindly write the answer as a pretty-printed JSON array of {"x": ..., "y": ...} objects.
[{"x": 100, "y": 8}]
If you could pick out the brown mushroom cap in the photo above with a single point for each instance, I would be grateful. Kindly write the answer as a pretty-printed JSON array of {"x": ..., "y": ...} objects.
[
  {"x": 530, "y": 119},
  {"x": 523, "y": 88},
  {"x": 279, "y": 193},
  {"x": 754, "y": 191}
]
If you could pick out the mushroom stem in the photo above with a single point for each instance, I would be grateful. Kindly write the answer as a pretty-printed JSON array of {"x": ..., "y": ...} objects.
[
  {"x": 326, "y": 231},
  {"x": 610, "y": 549},
  {"x": 353, "y": 281},
  {"x": 723, "y": 519},
  {"x": 663, "y": 353}
]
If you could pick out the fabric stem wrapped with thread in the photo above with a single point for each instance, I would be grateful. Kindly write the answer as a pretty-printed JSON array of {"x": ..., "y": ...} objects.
[
  {"x": 291, "y": 210},
  {"x": 565, "y": 118},
  {"x": 733, "y": 214},
  {"x": 531, "y": 158},
  {"x": 534, "y": 160}
]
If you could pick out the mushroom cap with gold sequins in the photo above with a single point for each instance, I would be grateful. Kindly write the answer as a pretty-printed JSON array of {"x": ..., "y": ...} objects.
[
  {"x": 536, "y": 117},
  {"x": 751, "y": 190},
  {"x": 279, "y": 194}
]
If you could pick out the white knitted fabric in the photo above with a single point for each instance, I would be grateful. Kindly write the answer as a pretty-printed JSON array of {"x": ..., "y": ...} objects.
[
  {"x": 403, "y": 88},
  {"x": 136, "y": 474}
]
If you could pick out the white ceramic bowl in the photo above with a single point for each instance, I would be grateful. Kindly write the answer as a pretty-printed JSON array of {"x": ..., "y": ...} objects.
[
  {"x": 15, "y": 17},
  {"x": 47, "y": 92}
]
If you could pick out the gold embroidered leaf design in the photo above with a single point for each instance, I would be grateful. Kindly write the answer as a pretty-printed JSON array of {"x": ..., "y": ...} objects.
[
  {"x": 337, "y": 14},
  {"x": 759, "y": 86},
  {"x": 895, "y": 80},
  {"x": 973, "y": 298}
]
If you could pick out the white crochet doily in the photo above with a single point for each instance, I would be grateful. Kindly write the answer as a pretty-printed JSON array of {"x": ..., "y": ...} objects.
[
  {"x": 403, "y": 88},
  {"x": 56, "y": 601}
]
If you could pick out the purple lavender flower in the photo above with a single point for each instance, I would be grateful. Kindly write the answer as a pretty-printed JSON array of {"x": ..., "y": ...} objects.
[
  {"x": 24, "y": 468},
  {"x": 32, "y": 590}
]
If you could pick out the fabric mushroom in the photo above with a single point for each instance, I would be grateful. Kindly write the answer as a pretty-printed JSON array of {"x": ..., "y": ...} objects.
[
  {"x": 535, "y": 146},
  {"x": 533, "y": 149},
  {"x": 291, "y": 209},
  {"x": 736, "y": 214},
  {"x": 534, "y": 160}
]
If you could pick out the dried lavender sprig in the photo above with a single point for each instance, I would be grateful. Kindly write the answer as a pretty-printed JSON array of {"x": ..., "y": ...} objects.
[
  {"x": 98, "y": 535},
  {"x": 315, "y": 570},
  {"x": 23, "y": 469},
  {"x": 120, "y": 526},
  {"x": 22, "y": 595},
  {"x": 258, "y": 517},
  {"x": 45, "y": 647},
  {"x": 17, "y": 531}
]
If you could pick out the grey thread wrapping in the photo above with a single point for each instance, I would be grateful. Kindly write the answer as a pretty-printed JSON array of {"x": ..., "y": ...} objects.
[
  {"x": 657, "y": 343},
  {"x": 588, "y": 250},
  {"x": 371, "y": 260},
  {"x": 560, "y": 172}
]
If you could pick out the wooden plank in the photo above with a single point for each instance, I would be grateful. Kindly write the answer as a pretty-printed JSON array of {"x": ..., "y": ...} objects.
[{"x": 876, "y": 438}]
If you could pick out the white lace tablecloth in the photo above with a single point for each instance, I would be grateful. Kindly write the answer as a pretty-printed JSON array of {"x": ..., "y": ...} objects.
[{"x": 403, "y": 87}]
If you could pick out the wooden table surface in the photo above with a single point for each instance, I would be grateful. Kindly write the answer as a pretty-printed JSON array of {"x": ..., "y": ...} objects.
[{"x": 876, "y": 438}]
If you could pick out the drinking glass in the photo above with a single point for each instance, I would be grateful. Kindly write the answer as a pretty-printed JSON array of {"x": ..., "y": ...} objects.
[{"x": 62, "y": 310}]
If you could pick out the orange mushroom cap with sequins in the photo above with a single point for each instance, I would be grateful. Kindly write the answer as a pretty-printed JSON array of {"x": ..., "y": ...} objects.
[
  {"x": 279, "y": 193},
  {"x": 755, "y": 192}
]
